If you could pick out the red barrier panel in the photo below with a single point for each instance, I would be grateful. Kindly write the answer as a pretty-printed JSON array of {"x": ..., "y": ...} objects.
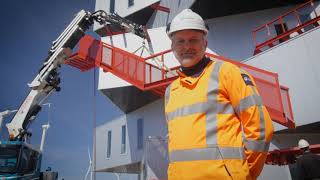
[
  {"x": 288, "y": 156},
  {"x": 145, "y": 75}
]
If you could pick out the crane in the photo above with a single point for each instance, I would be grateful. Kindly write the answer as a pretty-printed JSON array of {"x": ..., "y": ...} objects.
[{"x": 19, "y": 160}]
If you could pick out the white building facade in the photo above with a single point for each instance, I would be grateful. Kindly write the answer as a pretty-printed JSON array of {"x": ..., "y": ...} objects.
[{"x": 121, "y": 142}]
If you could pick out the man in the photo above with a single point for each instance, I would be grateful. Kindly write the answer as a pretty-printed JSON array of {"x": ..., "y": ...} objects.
[
  {"x": 308, "y": 164},
  {"x": 208, "y": 107}
]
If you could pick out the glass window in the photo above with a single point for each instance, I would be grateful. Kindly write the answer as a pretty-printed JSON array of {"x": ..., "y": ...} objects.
[
  {"x": 281, "y": 28},
  {"x": 305, "y": 18},
  {"x": 18, "y": 159},
  {"x": 112, "y": 5},
  {"x": 109, "y": 144},
  {"x": 8, "y": 159},
  {"x": 130, "y": 3},
  {"x": 140, "y": 133},
  {"x": 123, "y": 139}
]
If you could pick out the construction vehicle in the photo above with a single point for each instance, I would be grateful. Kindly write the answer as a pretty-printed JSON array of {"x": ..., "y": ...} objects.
[{"x": 18, "y": 159}]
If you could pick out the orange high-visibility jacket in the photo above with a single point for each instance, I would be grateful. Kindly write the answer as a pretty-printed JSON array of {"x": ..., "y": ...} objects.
[{"x": 218, "y": 127}]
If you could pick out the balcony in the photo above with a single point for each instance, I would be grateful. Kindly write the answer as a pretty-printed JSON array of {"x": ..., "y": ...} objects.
[{"x": 295, "y": 22}]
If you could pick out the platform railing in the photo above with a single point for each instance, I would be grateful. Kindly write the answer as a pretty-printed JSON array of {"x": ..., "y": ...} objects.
[
  {"x": 294, "y": 22},
  {"x": 150, "y": 73}
]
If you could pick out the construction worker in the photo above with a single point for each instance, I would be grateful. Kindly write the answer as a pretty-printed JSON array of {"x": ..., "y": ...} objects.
[
  {"x": 308, "y": 164},
  {"x": 218, "y": 127}
]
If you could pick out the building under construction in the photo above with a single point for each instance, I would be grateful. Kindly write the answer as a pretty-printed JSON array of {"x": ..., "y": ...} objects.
[{"x": 275, "y": 41}]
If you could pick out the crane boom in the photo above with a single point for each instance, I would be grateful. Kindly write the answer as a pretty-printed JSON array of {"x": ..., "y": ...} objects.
[{"x": 47, "y": 80}]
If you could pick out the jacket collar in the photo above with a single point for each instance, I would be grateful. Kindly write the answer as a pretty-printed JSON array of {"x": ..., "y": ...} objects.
[
  {"x": 197, "y": 69},
  {"x": 191, "y": 80}
]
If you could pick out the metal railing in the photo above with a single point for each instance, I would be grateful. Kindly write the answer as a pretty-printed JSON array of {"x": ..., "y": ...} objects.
[
  {"x": 294, "y": 22},
  {"x": 150, "y": 73}
]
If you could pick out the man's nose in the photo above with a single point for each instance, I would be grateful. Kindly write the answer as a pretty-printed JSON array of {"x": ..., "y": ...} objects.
[{"x": 187, "y": 45}]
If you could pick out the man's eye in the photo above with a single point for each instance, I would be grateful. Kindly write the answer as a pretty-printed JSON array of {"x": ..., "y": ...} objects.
[{"x": 193, "y": 41}]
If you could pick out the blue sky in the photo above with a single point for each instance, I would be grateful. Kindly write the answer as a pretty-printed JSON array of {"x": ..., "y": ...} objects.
[{"x": 27, "y": 30}]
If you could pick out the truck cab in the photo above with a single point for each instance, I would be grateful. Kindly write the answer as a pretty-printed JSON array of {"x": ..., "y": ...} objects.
[{"x": 18, "y": 160}]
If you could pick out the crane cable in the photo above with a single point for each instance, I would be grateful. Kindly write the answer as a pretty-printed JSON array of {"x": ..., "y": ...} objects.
[
  {"x": 156, "y": 59},
  {"x": 94, "y": 125}
]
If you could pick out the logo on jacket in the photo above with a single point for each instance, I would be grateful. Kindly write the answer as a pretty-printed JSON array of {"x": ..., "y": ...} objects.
[{"x": 246, "y": 79}]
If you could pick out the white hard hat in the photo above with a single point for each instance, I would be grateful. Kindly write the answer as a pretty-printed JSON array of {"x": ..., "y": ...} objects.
[
  {"x": 303, "y": 144},
  {"x": 186, "y": 19}
]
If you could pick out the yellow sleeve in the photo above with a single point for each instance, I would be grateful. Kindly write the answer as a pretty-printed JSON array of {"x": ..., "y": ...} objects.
[{"x": 256, "y": 123}]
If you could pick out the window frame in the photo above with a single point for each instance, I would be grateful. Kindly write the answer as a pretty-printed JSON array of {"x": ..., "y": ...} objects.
[
  {"x": 109, "y": 143},
  {"x": 140, "y": 139},
  {"x": 112, "y": 6},
  {"x": 130, "y": 3},
  {"x": 123, "y": 145}
]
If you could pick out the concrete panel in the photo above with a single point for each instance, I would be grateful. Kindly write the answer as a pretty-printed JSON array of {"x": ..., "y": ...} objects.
[
  {"x": 231, "y": 36},
  {"x": 275, "y": 172},
  {"x": 121, "y": 7},
  {"x": 131, "y": 43},
  {"x": 160, "y": 18},
  {"x": 101, "y": 144},
  {"x": 297, "y": 63},
  {"x": 154, "y": 125},
  {"x": 129, "y": 98},
  {"x": 101, "y": 5},
  {"x": 108, "y": 80}
]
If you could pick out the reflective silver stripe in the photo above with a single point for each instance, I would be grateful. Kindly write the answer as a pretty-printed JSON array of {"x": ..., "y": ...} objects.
[
  {"x": 166, "y": 99},
  {"x": 262, "y": 121},
  {"x": 247, "y": 102},
  {"x": 232, "y": 152},
  {"x": 167, "y": 95},
  {"x": 219, "y": 108},
  {"x": 222, "y": 108},
  {"x": 187, "y": 110},
  {"x": 211, "y": 116},
  {"x": 210, "y": 153},
  {"x": 257, "y": 145},
  {"x": 260, "y": 110},
  {"x": 203, "y": 107}
]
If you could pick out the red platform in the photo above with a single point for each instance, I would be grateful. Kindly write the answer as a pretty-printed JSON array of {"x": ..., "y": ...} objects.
[
  {"x": 288, "y": 156},
  {"x": 148, "y": 77}
]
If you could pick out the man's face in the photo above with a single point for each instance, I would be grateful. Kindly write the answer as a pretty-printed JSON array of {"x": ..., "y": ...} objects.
[{"x": 188, "y": 46}]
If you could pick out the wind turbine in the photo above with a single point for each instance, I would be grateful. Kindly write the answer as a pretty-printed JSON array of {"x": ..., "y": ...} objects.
[
  {"x": 45, "y": 127},
  {"x": 89, "y": 168}
]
